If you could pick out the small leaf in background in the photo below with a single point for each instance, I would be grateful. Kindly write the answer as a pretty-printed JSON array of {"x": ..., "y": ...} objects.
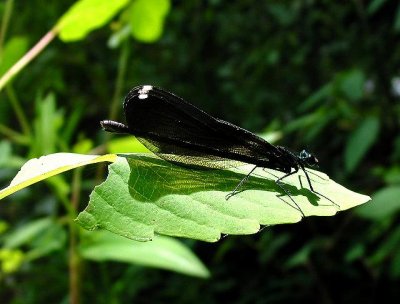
[
  {"x": 162, "y": 252},
  {"x": 85, "y": 16},
  {"x": 317, "y": 97},
  {"x": 360, "y": 141},
  {"x": 387, "y": 248},
  {"x": 46, "y": 126},
  {"x": 26, "y": 233},
  {"x": 3, "y": 226},
  {"x": 14, "y": 49},
  {"x": 41, "y": 236},
  {"x": 5, "y": 153},
  {"x": 10, "y": 260},
  {"x": 397, "y": 20},
  {"x": 300, "y": 257},
  {"x": 144, "y": 195},
  {"x": 83, "y": 146},
  {"x": 126, "y": 144},
  {"x": 352, "y": 84},
  {"x": 356, "y": 251},
  {"x": 375, "y": 5},
  {"x": 384, "y": 203},
  {"x": 147, "y": 19}
]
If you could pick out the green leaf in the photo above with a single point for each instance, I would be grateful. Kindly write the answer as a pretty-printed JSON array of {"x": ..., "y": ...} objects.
[
  {"x": 375, "y": 5},
  {"x": 87, "y": 15},
  {"x": 384, "y": 203},
  {"x": 42, "y": 236},
  {"x": 397, "y": 20},
  {"x": 14, "y": 49},
  {"x": 26, "y": 233},
  {"x": 317, "y": 97},
  {"x": 351, "y": 83},
  {"x": 360, "y": 141},
  {"x": 162, "y": 252},
  {"x": 38, "y": 169},
  {"x": 144, "y": 195},
  {"x": 10, "y": 260},
  {"x": 147, "y": 19},
  {"x": 5, "y": 152},
  {"x": 46, "y": 125},
  {"x": 126, "y": 144}
]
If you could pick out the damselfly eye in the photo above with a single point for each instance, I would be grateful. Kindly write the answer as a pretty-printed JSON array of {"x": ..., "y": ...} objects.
[{"x": 308, "y": 158}]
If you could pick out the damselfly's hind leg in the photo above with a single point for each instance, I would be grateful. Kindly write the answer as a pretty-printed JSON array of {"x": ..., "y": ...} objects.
[
  {"x": 236, "y": 190},
  {"x": 278, "y": 182}
]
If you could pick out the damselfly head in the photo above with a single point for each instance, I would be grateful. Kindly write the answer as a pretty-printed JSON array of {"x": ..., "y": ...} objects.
[{"x": 308, "y": 159}]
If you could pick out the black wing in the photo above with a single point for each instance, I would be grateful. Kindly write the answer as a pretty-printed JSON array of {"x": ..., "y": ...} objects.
[{"x": 178, "y": 131}]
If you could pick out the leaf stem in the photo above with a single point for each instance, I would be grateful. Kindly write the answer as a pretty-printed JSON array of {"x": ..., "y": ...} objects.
[
  {"x": 23, "y": 121},
  {"x": 74, "y": 257},
  {"x": 122, "y": 65},
  {"x": 4, "y": 24},
  {"x": 28, "y": 57}
]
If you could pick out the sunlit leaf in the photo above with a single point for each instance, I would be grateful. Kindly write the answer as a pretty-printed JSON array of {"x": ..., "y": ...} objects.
[
  {"x": 38, "y": 169},
  {"x": 144, "y": 195},
  {"x": 147, "y": 19},
  {"x": 87, "y": 15},
  {"x": 125, "y": 144}
]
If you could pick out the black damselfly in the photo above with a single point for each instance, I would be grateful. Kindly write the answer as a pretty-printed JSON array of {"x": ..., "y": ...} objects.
[{"x": 179, "y": 132}]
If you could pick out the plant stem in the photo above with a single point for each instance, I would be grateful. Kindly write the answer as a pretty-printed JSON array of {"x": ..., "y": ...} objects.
[
  {"x": 32, "y": 53},
  {"x": 4, "y": 24},
  {"x": 74, "y": 258},
  {"x": 23, "y": 121},
  {"x": 14, "y": 135},
  {"x": 122, "y": 65}
]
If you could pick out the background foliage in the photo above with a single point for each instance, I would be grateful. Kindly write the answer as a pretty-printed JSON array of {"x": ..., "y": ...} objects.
[{"x": 324, "y": 74}]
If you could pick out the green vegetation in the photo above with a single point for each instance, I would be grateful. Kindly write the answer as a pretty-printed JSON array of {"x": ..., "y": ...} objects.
[{"x": 318, "y": 75}]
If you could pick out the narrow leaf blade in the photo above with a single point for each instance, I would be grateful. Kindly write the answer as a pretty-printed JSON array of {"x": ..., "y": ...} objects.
[
  {"x": 38, "y": 169},
  {"x": 163, "y": 252}
]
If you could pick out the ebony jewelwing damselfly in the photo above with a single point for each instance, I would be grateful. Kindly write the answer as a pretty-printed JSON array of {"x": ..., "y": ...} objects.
[{"x": 181, "y": 133}]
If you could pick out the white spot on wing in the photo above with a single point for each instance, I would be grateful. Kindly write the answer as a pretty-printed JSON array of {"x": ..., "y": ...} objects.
[{"x": 143, "y": 92}]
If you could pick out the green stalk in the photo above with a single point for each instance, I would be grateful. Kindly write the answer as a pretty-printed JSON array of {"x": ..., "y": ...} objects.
[
  {"x": 28, "y": 57},
  {"x": 4, "y": 24},
  {"x": 74, "y": 258},
  {"x": 23, "y": 121}
]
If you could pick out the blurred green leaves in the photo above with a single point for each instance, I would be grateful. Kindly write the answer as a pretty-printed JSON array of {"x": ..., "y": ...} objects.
[
  {"x": 385, "y": 202},
  {"x": 125, "y": 144},
  {"x": 85, "y": 16},
  {"x": 147, "y": 19},
  {"x": 13, "y": 50},
  {"x": 163, "y": 252},
  {"x": 351, "y": 83},
  {"x": 42, "y": 236},
  {"x": 46, "y": 126},
  {"x": 360, "y": 141}
]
